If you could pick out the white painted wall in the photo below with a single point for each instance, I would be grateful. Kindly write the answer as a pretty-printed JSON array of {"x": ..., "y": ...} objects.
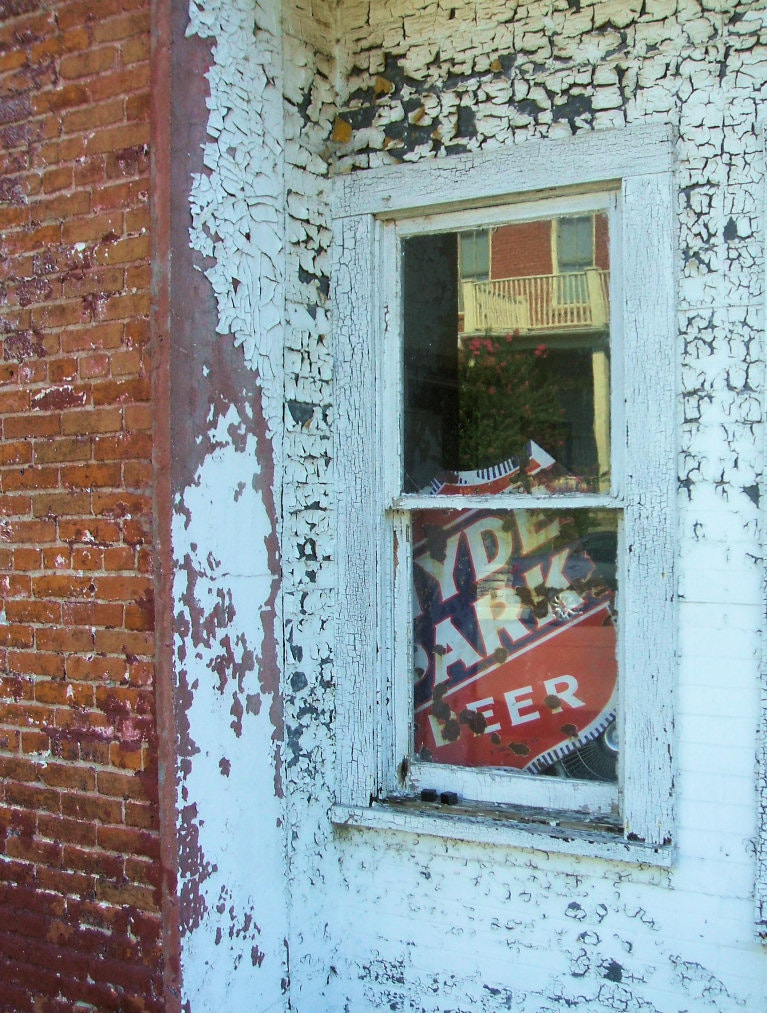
[{"x": 381, "y": 920}]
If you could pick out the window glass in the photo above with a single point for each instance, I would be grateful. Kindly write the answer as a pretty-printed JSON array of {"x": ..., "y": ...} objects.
[
  {"x": 575, "y": 243},
  {"x": 514, "y": 640},
  {"x": 520, "y": 361}
]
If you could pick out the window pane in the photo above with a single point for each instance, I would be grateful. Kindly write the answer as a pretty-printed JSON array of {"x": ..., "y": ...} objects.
[
  {"x": 575, "y": 247},
  {"x": 519, "y": 365},
  {"x": 515, "y": 640}
]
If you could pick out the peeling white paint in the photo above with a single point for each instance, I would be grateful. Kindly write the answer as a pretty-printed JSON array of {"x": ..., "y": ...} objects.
[
  {"x": 233, "y": 932},
  {"x": 385, "y": 920}
]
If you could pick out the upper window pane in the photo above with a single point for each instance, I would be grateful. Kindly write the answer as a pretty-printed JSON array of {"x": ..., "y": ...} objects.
[{"x": 503, "y": 368}]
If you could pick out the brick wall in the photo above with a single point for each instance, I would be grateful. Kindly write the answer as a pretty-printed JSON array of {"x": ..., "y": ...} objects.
[
  {"x": 79, "y": 880},
  {"x": 521, "y": 250}
]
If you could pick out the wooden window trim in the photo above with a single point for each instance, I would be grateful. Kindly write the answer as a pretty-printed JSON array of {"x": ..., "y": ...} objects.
[{"x": 638, "y": 163}]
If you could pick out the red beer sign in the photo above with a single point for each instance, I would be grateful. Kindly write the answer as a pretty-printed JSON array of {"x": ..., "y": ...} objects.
[{"x": 514, "y": 636}]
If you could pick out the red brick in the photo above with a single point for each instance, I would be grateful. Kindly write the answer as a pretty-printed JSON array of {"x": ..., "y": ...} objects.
[
  {"x": 16, "y": 585},
  {"x": 18, "y": 769},
  {"x": 63, "y": 586},
  {"x": 65, "y": 97},
  {"x": 35, "y": 239},
  {"x": 139, "y": 617},
  {"x": 33, "y": 611},
  {"x": 47, "y": 852},
  {"x": 18, "y": 505},
  {"x": 21, "y": 821},
  {"x": 17, "y": 530},
  {"x": 141, "y": 815},
  {"x": 92, "y": 336},
  {"x": 138, "y": 416},
  {"x": 137, "y": 106},
  {"x": 87, "y": 476},
  {"x": 15, "y": 687},
  {"x": 104, "y": 114},
  {"x": 94, "y": 751},
  {"x": 97, "y": 862},
  {"x": 62, "y": 694},
  {"x": 135, "y": 50},
  {"x": 58, "y": 179},
  {"x": 121, "y": 557},
  {"x": 95, "y": 227},
  {"x": 97, "y": 669},
  {"x": 88, "y": 558},
  {"x": 29, "y": 478},
  {"x": 137, "y": 219},
  {"x": 21, "y": 426},
  {"x": 124, "y": 307},
  {"x": 67, "y": 776},
  {"x": 124, "y": 250},
  {"x": 64, "y": 638},
  {"x": 129, "y": 841},
  {"x": 62, "y": 449},
  {"x": 58, "y": 43},
  {"x": 124, "y": 446},
  {"x": 89, "y": 531},
  {"x": 16, "y": 635},
  {"x": 13, "y": 401},
  {"x": 143, "y": 871},
  {"x": 119, "y": 504},
  {"x": 35, "y": 742},
  {"x": 94, "y": 808},
  {"x": 87, "y": 171},
  {"x": 61, "y": 370},
  {"x": 55, "y": 315},
  {"x": 126, "y": 786},
  {"x": 82, "y": 12},
  {"x": 15, "y": 453},
  {"x": 114, "y": 138},
  {"x": 98, "y": 420},
  {"x": 27, "y": 559},
  {"x": 30, "y": 796},
  {"x": 94, "y": 614},
  {"x": 94, "y": 287},
  {"x": 92, "y": 366},
  {"x": 126, "y": 893},
  {"x": 36, "y": 663},
  {"x": 61, "y": 205},
  {"x": 94, "y": 61},
  {"x": 74, "y": 883},
  {"x": 68, "y": 831},
  {"x": 57, "y": 557},
  {"x": 125, "y": 27},
  {"x": 60, "y": 504}
]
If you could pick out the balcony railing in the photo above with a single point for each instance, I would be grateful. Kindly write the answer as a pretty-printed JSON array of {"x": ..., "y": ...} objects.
[{"x": 542, "y": 302}]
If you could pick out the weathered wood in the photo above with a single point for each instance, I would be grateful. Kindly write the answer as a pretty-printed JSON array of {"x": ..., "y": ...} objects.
[
  {"x": 375, "y": 702},
  {"x": 531, "y": 166},
  {"x": 358, "y": 507},
  {"x": 648, "y": 614}
]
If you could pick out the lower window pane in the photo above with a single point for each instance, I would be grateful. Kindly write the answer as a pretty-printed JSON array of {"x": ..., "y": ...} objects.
[{"x": 515, "y": 640}]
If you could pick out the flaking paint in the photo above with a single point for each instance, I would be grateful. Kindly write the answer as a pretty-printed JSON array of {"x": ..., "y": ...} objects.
[{"x": 390, "y": 920}]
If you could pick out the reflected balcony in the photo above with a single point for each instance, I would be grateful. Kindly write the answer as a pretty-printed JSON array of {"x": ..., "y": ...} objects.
[{"x": 552, "y": 303}]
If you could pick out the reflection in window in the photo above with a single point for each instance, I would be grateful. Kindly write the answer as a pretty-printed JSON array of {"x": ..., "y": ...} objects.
[{"x": 521, "y": 356}]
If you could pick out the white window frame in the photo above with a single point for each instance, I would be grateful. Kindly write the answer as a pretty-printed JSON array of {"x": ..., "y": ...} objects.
[{"x": 374, "y": 704}]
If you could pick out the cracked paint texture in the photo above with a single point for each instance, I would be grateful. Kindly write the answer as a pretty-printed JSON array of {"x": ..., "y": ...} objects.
[
  {"x": 383, "y": 920},
  {"x": 224, "y": 535}
]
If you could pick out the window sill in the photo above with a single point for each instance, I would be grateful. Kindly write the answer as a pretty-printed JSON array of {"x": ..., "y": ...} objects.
[{"x": 569, "y": 834}]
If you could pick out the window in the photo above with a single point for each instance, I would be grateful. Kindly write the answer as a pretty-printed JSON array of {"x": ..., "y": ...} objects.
[
  {"x": 473, "y": 259},
  {"x": 506, "y": 528},
  {"x": 575, "y": 243}
]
